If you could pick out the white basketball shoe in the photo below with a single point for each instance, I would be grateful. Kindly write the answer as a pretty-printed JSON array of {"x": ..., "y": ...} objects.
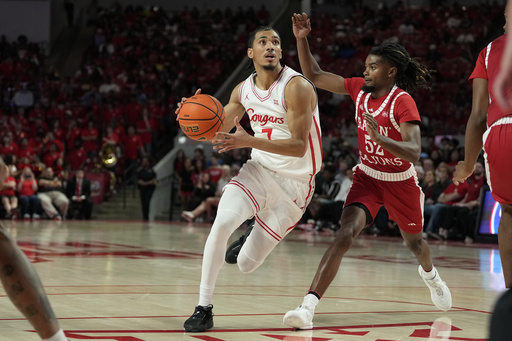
[
  {"x": 439, "y": 292},
  {"x": 302, "y": 317}
]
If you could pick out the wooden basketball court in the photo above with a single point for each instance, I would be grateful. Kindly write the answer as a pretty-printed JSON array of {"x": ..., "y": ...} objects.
[{"x": 132, "y": 281}]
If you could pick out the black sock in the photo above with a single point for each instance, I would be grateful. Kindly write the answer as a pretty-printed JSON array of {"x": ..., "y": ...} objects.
[{"x": 312, "y": 292}]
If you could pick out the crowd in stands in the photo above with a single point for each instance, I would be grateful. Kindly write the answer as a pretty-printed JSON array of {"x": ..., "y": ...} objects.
[
  {"x": 142, "y": 60},
  {"x": 139, "y": 64},
  {"x": 446, "y": 38}
]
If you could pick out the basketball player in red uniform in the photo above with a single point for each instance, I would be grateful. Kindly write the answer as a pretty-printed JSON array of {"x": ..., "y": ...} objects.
[
  {"x": 276, "y": 184},
  {"x": 490, "y": 126},
  {"x": 389, "y": 143},
  {"x": 22, "y": 284},
  {"x": 503, "y": 82}
]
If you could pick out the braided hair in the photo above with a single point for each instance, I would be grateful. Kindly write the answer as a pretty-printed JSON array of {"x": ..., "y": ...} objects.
[{"x": 411, "y": 74}]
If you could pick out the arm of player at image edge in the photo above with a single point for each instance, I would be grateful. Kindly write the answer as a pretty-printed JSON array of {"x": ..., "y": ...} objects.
[
  {"x": 300, "y": 98},
  {"x": 309, "y": 66},
  {"x": 502, "y": 87},
  {"x": 475, "y": 129}
]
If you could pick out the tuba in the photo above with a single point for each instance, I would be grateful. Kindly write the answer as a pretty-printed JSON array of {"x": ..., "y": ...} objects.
[{"x": 108, "y": 156}]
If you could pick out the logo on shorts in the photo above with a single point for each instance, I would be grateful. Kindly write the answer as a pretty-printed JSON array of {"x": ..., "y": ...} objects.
[{"x": 411, "y": 224}]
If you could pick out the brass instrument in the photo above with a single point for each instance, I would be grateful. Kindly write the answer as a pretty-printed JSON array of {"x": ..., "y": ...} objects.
[{"x": 108, "y": 156}]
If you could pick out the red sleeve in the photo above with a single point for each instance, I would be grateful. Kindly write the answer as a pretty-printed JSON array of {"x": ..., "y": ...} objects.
[
  {"x": 353, "y": 86},
  {"x": 480, "y": 71},
  {"x": 406, "y": 110}
]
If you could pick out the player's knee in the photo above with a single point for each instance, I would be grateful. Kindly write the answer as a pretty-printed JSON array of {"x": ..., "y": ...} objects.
[
  {"x": 415, "y": 245},
  {"x": 344, "y": 238},
  {"x": 247, "y": 265}
]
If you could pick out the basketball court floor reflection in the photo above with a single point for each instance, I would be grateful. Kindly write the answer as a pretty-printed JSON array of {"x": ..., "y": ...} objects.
[{"x": 133, "y": 281}]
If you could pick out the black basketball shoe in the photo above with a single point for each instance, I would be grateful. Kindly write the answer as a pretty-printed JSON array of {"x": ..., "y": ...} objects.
[
  {"x": 201, "y": 319},
  {"x": 234, "y": 249}
]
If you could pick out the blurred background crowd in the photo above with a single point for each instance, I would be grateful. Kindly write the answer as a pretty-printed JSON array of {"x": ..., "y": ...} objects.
[{"x": 141, "y": 60}]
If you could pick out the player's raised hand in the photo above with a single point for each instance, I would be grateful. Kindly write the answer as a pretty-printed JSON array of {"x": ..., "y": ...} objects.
[
  {"x": 226, "y": 141},
  {"x": 462, "y": 172},
  {"x": 183, "y": 100},
  {"x": 301, "y": 25}
]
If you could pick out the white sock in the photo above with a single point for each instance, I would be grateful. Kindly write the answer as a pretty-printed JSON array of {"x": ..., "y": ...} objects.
[
  {"x": 205, "y": 295},
  {"x": 431, "y": 274},
  {"x": 311, "y": 301},
  {"x": 58, "y": 336}
]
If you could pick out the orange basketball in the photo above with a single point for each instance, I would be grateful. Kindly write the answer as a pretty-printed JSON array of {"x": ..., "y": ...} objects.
[{"x": 201, "y": 116}]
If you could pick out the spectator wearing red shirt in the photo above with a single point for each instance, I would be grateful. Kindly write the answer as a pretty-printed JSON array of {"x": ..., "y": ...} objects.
[
  {"x": 8, "y": 146},
  {"x": 8, "y": 196},
  {"x": 214, "y": 169},
  {"x": 52, "y": 155},
  {"x": 49, "y": 140},
  {"x": 36, "y": 111},
  {"x": 76, "y": 157},
  {"x": 55, "y": 112},
  {"x": 24, "y": 150},
  {"x": 28, "y": 200},
  {"x": 133, "y": 110},
  {"x": 58, "y": 132},
  {"x": 119, "y": 128},
  {"x": 38, "y": 124},
  {"x": 90, "y": 140},
  {"x": 36, "y": 143},
  {"x": 17, "y": 130},
  {"x": 132, "y": 146},
  {"x": 155, "y": 110},
  {"x": 111, "y": 111},
  {"x": 463, "y": 214},
  {"x": 145, "y": 129},
  {"x": 21, "y": 118},
  {"x": 74, "y": 132},
  {"x": 110, "y": 138}
]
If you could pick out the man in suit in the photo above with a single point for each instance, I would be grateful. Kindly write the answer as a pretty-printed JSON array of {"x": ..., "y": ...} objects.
[{"x": 78, "y": 190}]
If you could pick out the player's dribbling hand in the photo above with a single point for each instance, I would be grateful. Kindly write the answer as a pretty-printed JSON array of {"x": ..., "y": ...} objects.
[
  {"x": 226, "y": 141},
  {"x": 183, "y": 100},
  {"x": 301, "y": 25},
  {"x": 461, "y": 173}
]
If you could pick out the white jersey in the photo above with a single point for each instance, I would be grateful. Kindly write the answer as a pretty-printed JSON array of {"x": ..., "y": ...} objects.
[{"x": 268, "y": 114}]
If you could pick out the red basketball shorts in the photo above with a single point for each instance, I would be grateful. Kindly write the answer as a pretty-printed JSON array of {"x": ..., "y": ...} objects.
[
  {"x": 498, "y": 158},
  {"x": 402, "y": 199}
]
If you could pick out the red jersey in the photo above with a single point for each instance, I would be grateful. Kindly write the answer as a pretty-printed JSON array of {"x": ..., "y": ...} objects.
[
  {"x": 390, "y": 111},
  {"x": 487, "y": 67}
]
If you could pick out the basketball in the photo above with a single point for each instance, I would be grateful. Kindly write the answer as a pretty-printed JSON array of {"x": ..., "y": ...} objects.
[{"x": 201, "y": 116}]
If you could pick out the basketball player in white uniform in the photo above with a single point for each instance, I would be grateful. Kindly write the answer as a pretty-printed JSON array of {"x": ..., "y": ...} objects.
[{"x": 276, "y": 184}]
